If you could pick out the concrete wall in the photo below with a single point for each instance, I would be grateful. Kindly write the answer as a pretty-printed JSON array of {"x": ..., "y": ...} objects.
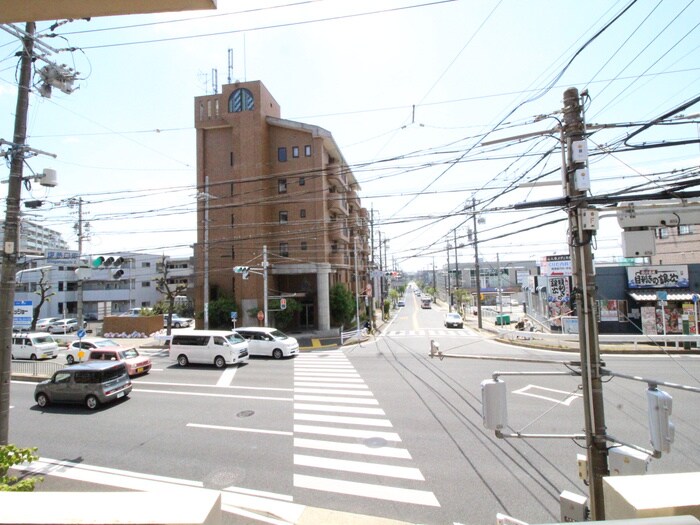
[{"x": 146, "y": 324}]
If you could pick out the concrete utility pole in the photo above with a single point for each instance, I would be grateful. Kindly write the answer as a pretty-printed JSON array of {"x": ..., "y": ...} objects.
[
  {"x": 477, "y": 271},
  {"x": 585, "y": 293},
  {"x": 265, "y": 292},
  {"x": 11, "y": 246},
  {"x": 456, "y": 263}
]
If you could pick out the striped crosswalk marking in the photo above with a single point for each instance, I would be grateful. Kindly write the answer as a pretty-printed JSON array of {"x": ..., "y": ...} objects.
[{"x": 339, "y": 447}]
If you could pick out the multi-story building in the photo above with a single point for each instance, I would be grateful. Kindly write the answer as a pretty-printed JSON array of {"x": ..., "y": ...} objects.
[
  {"x": 35, "y": 239},
  {"x": 679, "y": 245},
  {"x": 278, "y": 190}
]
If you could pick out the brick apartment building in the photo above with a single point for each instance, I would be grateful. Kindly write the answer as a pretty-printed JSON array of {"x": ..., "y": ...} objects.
[{"x": 266, "y": 182}]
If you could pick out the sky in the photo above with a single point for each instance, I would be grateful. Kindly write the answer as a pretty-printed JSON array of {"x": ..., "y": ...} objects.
[{"x": 412, "y": 93}]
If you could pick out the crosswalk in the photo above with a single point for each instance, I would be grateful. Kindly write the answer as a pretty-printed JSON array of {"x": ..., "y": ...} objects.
[
  {"x": 343, "y": 441},
  {"x": 431, "y": 332}
]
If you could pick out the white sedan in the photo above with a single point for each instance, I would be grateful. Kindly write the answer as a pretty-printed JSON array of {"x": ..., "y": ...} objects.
[
  {"x": 63, "y": 326},
  {"x": 86, "y": 345}
]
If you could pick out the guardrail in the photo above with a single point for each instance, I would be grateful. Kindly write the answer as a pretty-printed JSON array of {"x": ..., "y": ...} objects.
[
  {"x": 43, "y": 368},
  {"x": 675, "y": 340}
]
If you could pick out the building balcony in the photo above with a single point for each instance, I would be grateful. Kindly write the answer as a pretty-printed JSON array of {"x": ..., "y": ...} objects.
[
  {"x": 336, "y": 177},
  {"x": 338, "y": 232},
  {"x": 337, "y": 204}
]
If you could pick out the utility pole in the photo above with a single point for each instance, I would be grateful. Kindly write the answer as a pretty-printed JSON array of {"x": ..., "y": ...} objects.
[
  {"x": 500, "y": 290},
  {"x": 80, "y": 281},
  {"x": 357, "y": 287},
  {"x": 449, "y": 284},
  {"x": 264, "y": 268},
  {"x": 477, "y": 271},
  {"x": 205, "y": 291},
  {"x": 574, "y": 132},
  {"x": 456, "y": 263},
  {"x": 11, "y": 246}
]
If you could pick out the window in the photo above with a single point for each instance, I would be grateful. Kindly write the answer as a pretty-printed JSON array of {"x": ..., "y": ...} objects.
[
  {"x": 231, "y": 189},
  {"x": 295, "y": 152},
  {"x": 241, "y": 100},
  {"x": 307, "y": 150},
  {"x": 145, "y": 284},
  {"x": 284, "y": 217},
  {"x": 304, "y": 246},
  {"x": 231, "y": 158},
  {"x": 302, "y": 213},
  {"x": 284, "y": 249},
  {"x": 282, "y": 186},
  {"x": 684, "y": 229},
  {"x": 662, "y": 233},
  {"x": 233, "y": 219},
  {"x": 302, "y": 181},
  {"x": 282, "y": 154}
]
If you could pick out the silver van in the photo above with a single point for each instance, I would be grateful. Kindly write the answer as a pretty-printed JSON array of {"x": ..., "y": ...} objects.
[
  {"x": 210, "y": 347},
  {"x": 34, "y": 345},
  {"x": 91, "y": 383}
]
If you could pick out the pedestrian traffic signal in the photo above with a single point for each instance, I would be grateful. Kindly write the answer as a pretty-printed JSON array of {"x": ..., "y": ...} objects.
[{"x": 243, "y": 270}]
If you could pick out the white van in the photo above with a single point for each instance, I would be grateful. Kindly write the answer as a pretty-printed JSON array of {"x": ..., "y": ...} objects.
[
  {"x": 269, "y": 342},
  {"x": 217, "y": 347},
  {"x": 34, "y": 345}
]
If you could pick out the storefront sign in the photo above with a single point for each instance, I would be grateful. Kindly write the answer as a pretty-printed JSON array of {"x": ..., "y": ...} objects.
[
  {"x": 555, "y": 265},
  {"x": 658, "y": 277}
]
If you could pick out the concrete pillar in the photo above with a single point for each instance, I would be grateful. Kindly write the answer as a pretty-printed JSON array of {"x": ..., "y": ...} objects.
[{"x": 323, "y": 296}]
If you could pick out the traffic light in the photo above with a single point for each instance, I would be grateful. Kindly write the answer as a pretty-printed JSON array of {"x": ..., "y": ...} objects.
[
  {"x": 244, "y": 270},
  {"x": 112, "y": 263}
]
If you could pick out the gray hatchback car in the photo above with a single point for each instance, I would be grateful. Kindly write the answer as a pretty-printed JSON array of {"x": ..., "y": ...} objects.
[{"x": 90, "y": 383}]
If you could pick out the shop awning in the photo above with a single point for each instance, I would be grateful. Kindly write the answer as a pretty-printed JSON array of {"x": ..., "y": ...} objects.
[{"x": 672, "y": 296}]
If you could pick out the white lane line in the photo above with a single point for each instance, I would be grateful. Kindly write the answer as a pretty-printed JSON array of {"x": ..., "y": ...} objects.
[
  {"x": 346, "y": 432},
  {"x": 367, "y": 490},
  {"x": 352, "y": 448},
  {"x": 336, "y": 399},
  {"x": 259, "y": 493},
  {"x": 331, "y": 385},
  {"x": 198, "y": 385},
  {"x": 242, "y": 429},
  {"x": 347, "y": 420},
  {"x": 332, "y": 391},
  {"x": 326, "y": 374},
  {"x": 359, "y": 467},
  {"x": 203, "y": 394},
  {"x": 227, "y": 376},
  {"x": 341, "y": 409}
]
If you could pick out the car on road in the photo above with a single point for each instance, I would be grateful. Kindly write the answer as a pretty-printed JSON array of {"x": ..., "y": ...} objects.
[
  {"x": 136, "y": 364},
  {"x": 63, "y": 326},
  {"x": 210, "y": 347},
  {"x": 269, "y": 342},
  {"x": 454, "y": 320},
  {"x": 402, "y": 302},
  {"x": 91, "y": 384},
  {"x": 33, "y": 345},
  {"x": 86, "y": 345},
  {"x": 177, "y": 321}
]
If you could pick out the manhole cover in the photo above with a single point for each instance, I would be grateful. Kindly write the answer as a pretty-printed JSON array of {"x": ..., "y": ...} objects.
[
  {"x": 375, "y": 442},
  {"x": 245, "y": 413}
]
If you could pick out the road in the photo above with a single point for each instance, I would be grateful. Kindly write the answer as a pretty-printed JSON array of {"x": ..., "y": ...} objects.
[{"x": 376, "y": 429}]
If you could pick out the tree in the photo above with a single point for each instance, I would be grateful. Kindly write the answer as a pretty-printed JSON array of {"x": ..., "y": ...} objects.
[
  {"x": 342, "y": 304},
  {"x": 44, "y": 296},
  {"x": 169, "y": 290},
  {"x": 220, "y": 313},
  {"x": 283, "y": 318},
  {"x": 10, "y": 455}
]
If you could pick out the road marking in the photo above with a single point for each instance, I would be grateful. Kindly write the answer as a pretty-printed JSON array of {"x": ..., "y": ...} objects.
[
  {"x": 419, "y": 497},
  {"x": 306, "y": 374},
  {"x": 227, "y": 376},
  {"x": 199, "y": 385},
  {"x": 333, "y": 408},
  {"x": 570, "y": 397},
  {"x": 204, "y": 394},
  {"x": 333, "y": 391},
  {"x": 313, "y": 383},
  {"x": 335, "y": 399},
  {"x": 323, "y": 379},
  {"x": 348, "y": 420},
  {"x": 359, "y": 467},
  {"x": 242, "y": 429},
  {"x": 347, "y": 432},
  {"x": 352, "y": 448}
]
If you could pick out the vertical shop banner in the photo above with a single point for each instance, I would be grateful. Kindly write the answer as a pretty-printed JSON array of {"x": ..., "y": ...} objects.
[
  {"x": 689, "y": 310},
  {"x": 649, "y": 320},
  {"x": 558, "y": 299},
  {"x": 608, "y": 310}
]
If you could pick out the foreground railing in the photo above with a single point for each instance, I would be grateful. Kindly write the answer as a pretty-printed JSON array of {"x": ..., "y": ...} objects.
[{"x": 43, "y": 368}]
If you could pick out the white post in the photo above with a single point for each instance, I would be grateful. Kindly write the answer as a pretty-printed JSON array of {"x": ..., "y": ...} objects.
[{"x": 264, "y": 265}]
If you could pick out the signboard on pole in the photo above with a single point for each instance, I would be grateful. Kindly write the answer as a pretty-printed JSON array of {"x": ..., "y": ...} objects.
[{"x": 22, "y": 314}]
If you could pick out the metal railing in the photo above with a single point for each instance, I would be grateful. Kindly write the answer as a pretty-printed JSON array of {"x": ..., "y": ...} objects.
[{"x": 43, "y": 368}]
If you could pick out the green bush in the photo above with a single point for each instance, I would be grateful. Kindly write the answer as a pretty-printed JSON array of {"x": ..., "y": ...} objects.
[
  {"x": 342, "y": 304},
  {"x": 10, "y": 455}
]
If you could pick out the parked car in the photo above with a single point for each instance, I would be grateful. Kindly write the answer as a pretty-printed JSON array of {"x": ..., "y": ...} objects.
[
  {"x": 177, "y": 321},
  {"x": 269, "y": 342},
  {"x": 402, "y": 302},
  {"x": 33, "y": 345},
  {"x": 63, "y": 326},
  {"x": 42, "y": 325},
  {"x": 136, "y": 363},
  {"x": 454, "y": 320},
  {"x": 88, "y": 383},
  {"x": 86, "y": 345}
]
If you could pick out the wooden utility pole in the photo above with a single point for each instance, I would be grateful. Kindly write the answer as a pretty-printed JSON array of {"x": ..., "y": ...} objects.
[
  {"x": 10, "y": 247},
  {"x": 477, "y": 270},
  {"x": 582, "y": 225}
]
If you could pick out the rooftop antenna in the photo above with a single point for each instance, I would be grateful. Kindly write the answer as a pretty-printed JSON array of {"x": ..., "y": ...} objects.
[
  {"x": 214, "y": 81},
  {"x": 230, "y": 65}
]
